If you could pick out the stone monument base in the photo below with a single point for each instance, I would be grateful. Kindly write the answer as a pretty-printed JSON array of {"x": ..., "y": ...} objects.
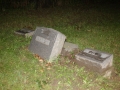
[{"x": 96, "y": 61}]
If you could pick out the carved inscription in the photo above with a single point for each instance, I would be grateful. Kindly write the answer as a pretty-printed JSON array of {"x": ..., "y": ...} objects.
[{"x": 42, "y": 40}]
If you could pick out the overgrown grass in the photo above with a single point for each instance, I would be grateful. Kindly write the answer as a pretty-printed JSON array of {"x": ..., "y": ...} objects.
[{"x": 95, "y": 28}]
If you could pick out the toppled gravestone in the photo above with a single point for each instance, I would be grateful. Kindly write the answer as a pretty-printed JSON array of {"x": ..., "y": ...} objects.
[
  {"x": 97, "y": 61},
  {"x": 47, "y": 43},
  {"x": 25, "y": 32}
]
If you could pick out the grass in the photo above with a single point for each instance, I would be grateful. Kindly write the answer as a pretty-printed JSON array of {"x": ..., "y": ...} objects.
[{"x": 95, "y": 28}]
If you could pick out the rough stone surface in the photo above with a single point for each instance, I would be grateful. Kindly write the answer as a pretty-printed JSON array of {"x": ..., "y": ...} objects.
[
  {"x": 29, "y": 34},
  {"x": 47, "y": 43},
  {"x": 70, "y": 46},
  {"x": 25, "y": 32},
  {"x": 95, "y": 60}
]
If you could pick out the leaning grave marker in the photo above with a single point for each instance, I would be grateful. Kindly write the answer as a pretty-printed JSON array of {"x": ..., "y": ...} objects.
[{"x": 47, "y": 43}]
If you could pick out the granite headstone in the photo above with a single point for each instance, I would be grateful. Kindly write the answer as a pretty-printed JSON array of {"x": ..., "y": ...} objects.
[{"x": 47, "y": 43}]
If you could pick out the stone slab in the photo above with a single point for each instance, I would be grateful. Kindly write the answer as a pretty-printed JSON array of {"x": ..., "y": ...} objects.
[
  {"x": 29, "y": 34},
  {"x": 47, "y": 43},
  {"x": 95, "y": 60},
  {"x": 69, "y": 47},
  {"x": 25, "y": 32}
]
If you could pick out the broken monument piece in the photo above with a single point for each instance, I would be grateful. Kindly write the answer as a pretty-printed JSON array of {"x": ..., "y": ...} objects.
[
  {"x": 95, "y": 60},
  {"x": 70, "y": 46},
  {"x": 25, "y": 32},
  {"x": 47, "y": 43}
]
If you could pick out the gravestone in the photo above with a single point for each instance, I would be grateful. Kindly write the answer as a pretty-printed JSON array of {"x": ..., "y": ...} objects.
[
  {"x": 25, "y": 32},
  {"x": 47, "y": 43},
  {"x": 95, "y": 60}
]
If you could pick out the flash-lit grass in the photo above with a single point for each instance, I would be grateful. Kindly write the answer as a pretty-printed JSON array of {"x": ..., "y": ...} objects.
[{"x": 89, "y": 28}]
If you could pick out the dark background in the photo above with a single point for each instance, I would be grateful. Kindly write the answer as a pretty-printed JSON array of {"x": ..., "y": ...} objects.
[{"x": 36, "y": 4}]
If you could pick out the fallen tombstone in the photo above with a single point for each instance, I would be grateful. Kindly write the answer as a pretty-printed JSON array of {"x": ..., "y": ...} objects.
[
  {"x": 25, "y": 32},
  {"x": 95, "y": 60},
  {"x": 47, "y": 43}
]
